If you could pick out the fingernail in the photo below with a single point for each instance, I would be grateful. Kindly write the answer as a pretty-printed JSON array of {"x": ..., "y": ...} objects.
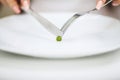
[
  {"x": 16, "y": 9},
  {"x": 26, "y": 4},
  {"x": 115, "y": 4},
  {"x": 99, "y": 4}
]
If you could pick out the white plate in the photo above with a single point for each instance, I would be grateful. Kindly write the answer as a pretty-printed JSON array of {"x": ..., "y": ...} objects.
[{"x": 90, "y": 35}]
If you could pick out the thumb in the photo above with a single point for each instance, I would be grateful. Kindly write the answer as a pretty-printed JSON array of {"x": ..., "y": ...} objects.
[
  {"x": 100, "y": 3},
  {"x": 25, "y": 3}
]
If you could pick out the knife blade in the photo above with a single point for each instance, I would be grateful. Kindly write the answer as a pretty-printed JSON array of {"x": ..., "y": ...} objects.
[{"x": 49, "y": 26}]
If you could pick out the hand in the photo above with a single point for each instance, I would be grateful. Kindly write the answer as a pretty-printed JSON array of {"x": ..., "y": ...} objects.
[
  {"x": 101, "y": 2},
  {"x": 16, "y": 4}
]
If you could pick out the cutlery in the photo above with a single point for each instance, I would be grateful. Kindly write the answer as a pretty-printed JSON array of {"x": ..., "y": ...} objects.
[
  {"x": 49, "y": 26},
  {"x": 77, "y": 15}
]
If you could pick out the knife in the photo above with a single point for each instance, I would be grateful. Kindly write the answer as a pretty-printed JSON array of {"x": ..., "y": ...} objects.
[{"x": 49, "y": 26}]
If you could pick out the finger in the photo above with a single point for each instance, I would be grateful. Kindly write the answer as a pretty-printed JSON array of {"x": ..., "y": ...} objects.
[
  {"x": 116, "y": 3},
  {"x": 14, "y": 5},
  {"x": 25, "y": 3},
  {"x": 100, "y": 3},
  {"x": 3, "y": 2}
]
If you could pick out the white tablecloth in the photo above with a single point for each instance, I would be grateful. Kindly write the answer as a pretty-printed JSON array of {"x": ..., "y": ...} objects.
[{"x": 101, "y": 67}]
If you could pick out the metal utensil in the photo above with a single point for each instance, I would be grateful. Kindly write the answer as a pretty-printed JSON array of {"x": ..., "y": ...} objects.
[
  {"x": 46, "y": 24},
  {"x": 77, "y": 15}
]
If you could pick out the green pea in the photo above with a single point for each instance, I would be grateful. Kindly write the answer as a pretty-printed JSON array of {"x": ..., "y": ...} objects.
[{"x": 58, "y": 38}]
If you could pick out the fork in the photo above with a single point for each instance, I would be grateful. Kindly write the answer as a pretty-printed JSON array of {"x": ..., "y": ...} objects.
[{"x": 77, "y": 15}]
